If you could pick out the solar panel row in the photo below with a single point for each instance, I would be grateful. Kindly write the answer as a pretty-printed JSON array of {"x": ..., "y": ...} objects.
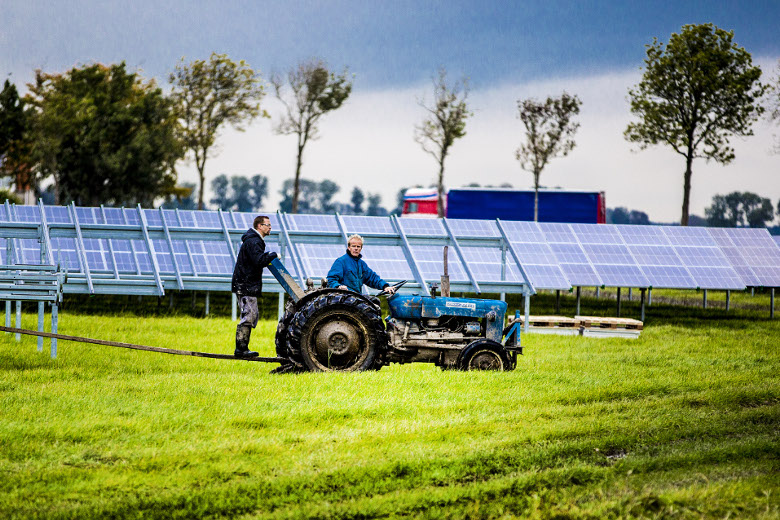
[{"x": 553, "y": 256}]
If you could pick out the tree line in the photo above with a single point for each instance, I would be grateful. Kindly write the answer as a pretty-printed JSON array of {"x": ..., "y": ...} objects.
[{"x": 103, "y": 134}]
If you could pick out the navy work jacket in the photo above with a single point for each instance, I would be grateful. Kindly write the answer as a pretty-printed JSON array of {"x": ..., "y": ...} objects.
[{"x": 248, "y": 273}]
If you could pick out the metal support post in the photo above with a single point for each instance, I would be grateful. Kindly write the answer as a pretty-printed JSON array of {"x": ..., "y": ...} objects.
[
  {"x": 649, "y": 297},
  {"x": 618, "y": 302},
  {"x": 18, "y": 319},
  {"x": 527, "y": 310},
  {"x": 752, "y": 291},
  {"x": 704, "y": 299},
  {"x": 208, "y": 295},
  {"x": 772, "y": 303},
  {"x": 7, "y": 314},
  {"x": 629, "y": 293},
  {"x": 642, "y": 299},
  {"x": 233, "y": 306},
  {"x": 54, "y": 327},
  {"x": 578, "y": 300},
  {"x": 728, "y": 299},
  {"x": 40, "y": 325},
  {"x": 598, "y": 292}
]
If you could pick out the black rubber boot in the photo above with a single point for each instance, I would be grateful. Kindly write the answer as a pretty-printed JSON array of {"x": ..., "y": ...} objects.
[{"x": 243, "y": 333}]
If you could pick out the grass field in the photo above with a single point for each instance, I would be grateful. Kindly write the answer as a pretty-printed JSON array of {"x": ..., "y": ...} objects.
[{"x": 683, "y": 422}]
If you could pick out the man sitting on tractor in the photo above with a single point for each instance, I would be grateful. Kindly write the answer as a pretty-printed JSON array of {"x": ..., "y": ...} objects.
[{"x": 351, "y": 271}]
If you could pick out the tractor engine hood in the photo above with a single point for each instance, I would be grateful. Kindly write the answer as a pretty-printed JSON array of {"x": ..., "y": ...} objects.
[{"x": 404, "y": 307}]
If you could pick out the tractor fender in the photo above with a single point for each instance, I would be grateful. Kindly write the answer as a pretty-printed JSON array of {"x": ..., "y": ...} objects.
[
  {"x": 319, "y": 292},
  {"x": 479, "y": 343}
]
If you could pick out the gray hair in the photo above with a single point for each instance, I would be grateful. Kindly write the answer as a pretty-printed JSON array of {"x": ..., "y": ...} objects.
[{"x": 356, "y": 237}]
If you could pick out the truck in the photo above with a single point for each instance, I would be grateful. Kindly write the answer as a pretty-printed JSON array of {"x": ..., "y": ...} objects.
[{"x": 586, "y": 207}]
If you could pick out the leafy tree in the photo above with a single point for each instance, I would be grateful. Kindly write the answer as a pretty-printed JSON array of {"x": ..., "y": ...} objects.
[
  {"x": 314, "y": 197},
  {"x": 181, "y": 197},
  {"x": 758, "y": 210},
  {"x": 314, "y": 91},
  {"x": 739, "y": 209},
  {"x": 375, "y": 208},
  {"x": 774, "y": 104},
  {"x": 695, "y": 93},
  {"x": 210, "y": 95},
  {"x": 104, "y": 135},
  {"x": 239, "y": 193},
  {"x": 446, "y": 122},
  {"x": 15, "y": 145},
  {"x": 549, "y": 133},
  {"x": 258, "y": 189},
  {"x": 219, "y": 187},
  {"x": 622, "y": 215},
  {"x": 357, "y": 201}
]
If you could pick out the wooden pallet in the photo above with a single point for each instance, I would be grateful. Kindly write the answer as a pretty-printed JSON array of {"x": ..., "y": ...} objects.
[
  {"x": 598, "y": 322},
  {"x": 548, "y": 321}
]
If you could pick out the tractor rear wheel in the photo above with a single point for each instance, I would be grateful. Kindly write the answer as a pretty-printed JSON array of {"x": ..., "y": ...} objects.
[
  {"x": 485, "y": 355},
  {"x": 338, "y": 332}
]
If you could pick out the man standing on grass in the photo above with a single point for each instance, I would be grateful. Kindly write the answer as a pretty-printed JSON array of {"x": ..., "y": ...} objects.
[
  {"x": 248, "y": 281},
  {"x": 351, "y": 272}
]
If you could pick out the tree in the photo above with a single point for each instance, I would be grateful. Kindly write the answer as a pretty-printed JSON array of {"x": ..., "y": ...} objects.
[
  {"x": 15, "y": 145},
  {"x": 695, "y": 93},
  {"x": 774, "y": 105},
  {"x": 210, "y": 95},
  {"x": 314, "y": 197},
  {"x": 104, "y": 135},
  {"x": 446, "y": 122},
  {"x": 219, "y": 187},
  {"x": 739, "y": 209},
  {"x": 239, "y": 193},
  {"x": 549, "y": 133},
  {"x": 258, "y": 189},
  {"x": 622, "y": 215},
  {"x": 180, "y": 198},
  {"x": 314, "y": 91},
  {"x": 357, "y": 201},
  {"x": 374, "y": 205}
]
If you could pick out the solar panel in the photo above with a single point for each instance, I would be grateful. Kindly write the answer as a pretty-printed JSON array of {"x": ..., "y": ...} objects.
[
  {"x": 422, "y": 226},
  {"x": 656, "y": 257},
  {"x": 473, "y": 228},
  {"x": 313, "y": 223},
  {"x": 367, "y": 225},
  {"x": 485, "y": 264},
  {"x": 538, "y": 260},
  {"x": 609, "y": 256},
  {"x": 430, "y": 260},
  {"x": 703, "y": 258},
  {"x": 567, "y": 250},
  {"x": 752, "y": 253}
]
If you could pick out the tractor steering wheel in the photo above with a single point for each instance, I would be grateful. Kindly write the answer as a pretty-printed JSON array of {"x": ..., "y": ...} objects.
[{"x": 395, "y": 286}]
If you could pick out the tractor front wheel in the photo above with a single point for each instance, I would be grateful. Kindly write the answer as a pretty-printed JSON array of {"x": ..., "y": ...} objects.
[{"x": 484, "y": 355}]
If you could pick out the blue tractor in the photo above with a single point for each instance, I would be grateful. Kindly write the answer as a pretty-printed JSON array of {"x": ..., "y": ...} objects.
[{"x": 324, "y": 329}]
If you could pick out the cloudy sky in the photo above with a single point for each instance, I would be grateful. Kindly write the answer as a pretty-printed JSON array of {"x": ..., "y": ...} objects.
[{"x": 509, "y": 50}]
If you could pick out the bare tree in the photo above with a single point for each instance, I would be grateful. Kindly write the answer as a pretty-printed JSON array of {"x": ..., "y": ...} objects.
[
  {"x": 314, "y": 91},
  {"x": 774, "y": 104},
  {"x": 549, "y": 133},
  {"x": 210, "y": 94},
  {"x": 446, "y": 122}
]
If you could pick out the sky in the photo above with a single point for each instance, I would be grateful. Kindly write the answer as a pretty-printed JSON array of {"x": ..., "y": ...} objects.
[{"x": 508, "y": 50}]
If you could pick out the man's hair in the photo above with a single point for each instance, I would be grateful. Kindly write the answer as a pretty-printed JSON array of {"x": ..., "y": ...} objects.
[
  {"x": 259, "y": 220},
  {"x": 356, "y": 237}
]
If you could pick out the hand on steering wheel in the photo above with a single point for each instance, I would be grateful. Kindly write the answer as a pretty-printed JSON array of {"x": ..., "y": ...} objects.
[{"x": 391, "y": 289}]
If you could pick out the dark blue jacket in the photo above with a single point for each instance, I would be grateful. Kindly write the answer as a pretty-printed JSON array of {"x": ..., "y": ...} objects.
[
  {"x": 248, "y": 273},
  {"x": 353, "y": 272}
]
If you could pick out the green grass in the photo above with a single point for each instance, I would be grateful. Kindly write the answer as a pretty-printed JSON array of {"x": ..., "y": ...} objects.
[{"x": 681, "y": 423}]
